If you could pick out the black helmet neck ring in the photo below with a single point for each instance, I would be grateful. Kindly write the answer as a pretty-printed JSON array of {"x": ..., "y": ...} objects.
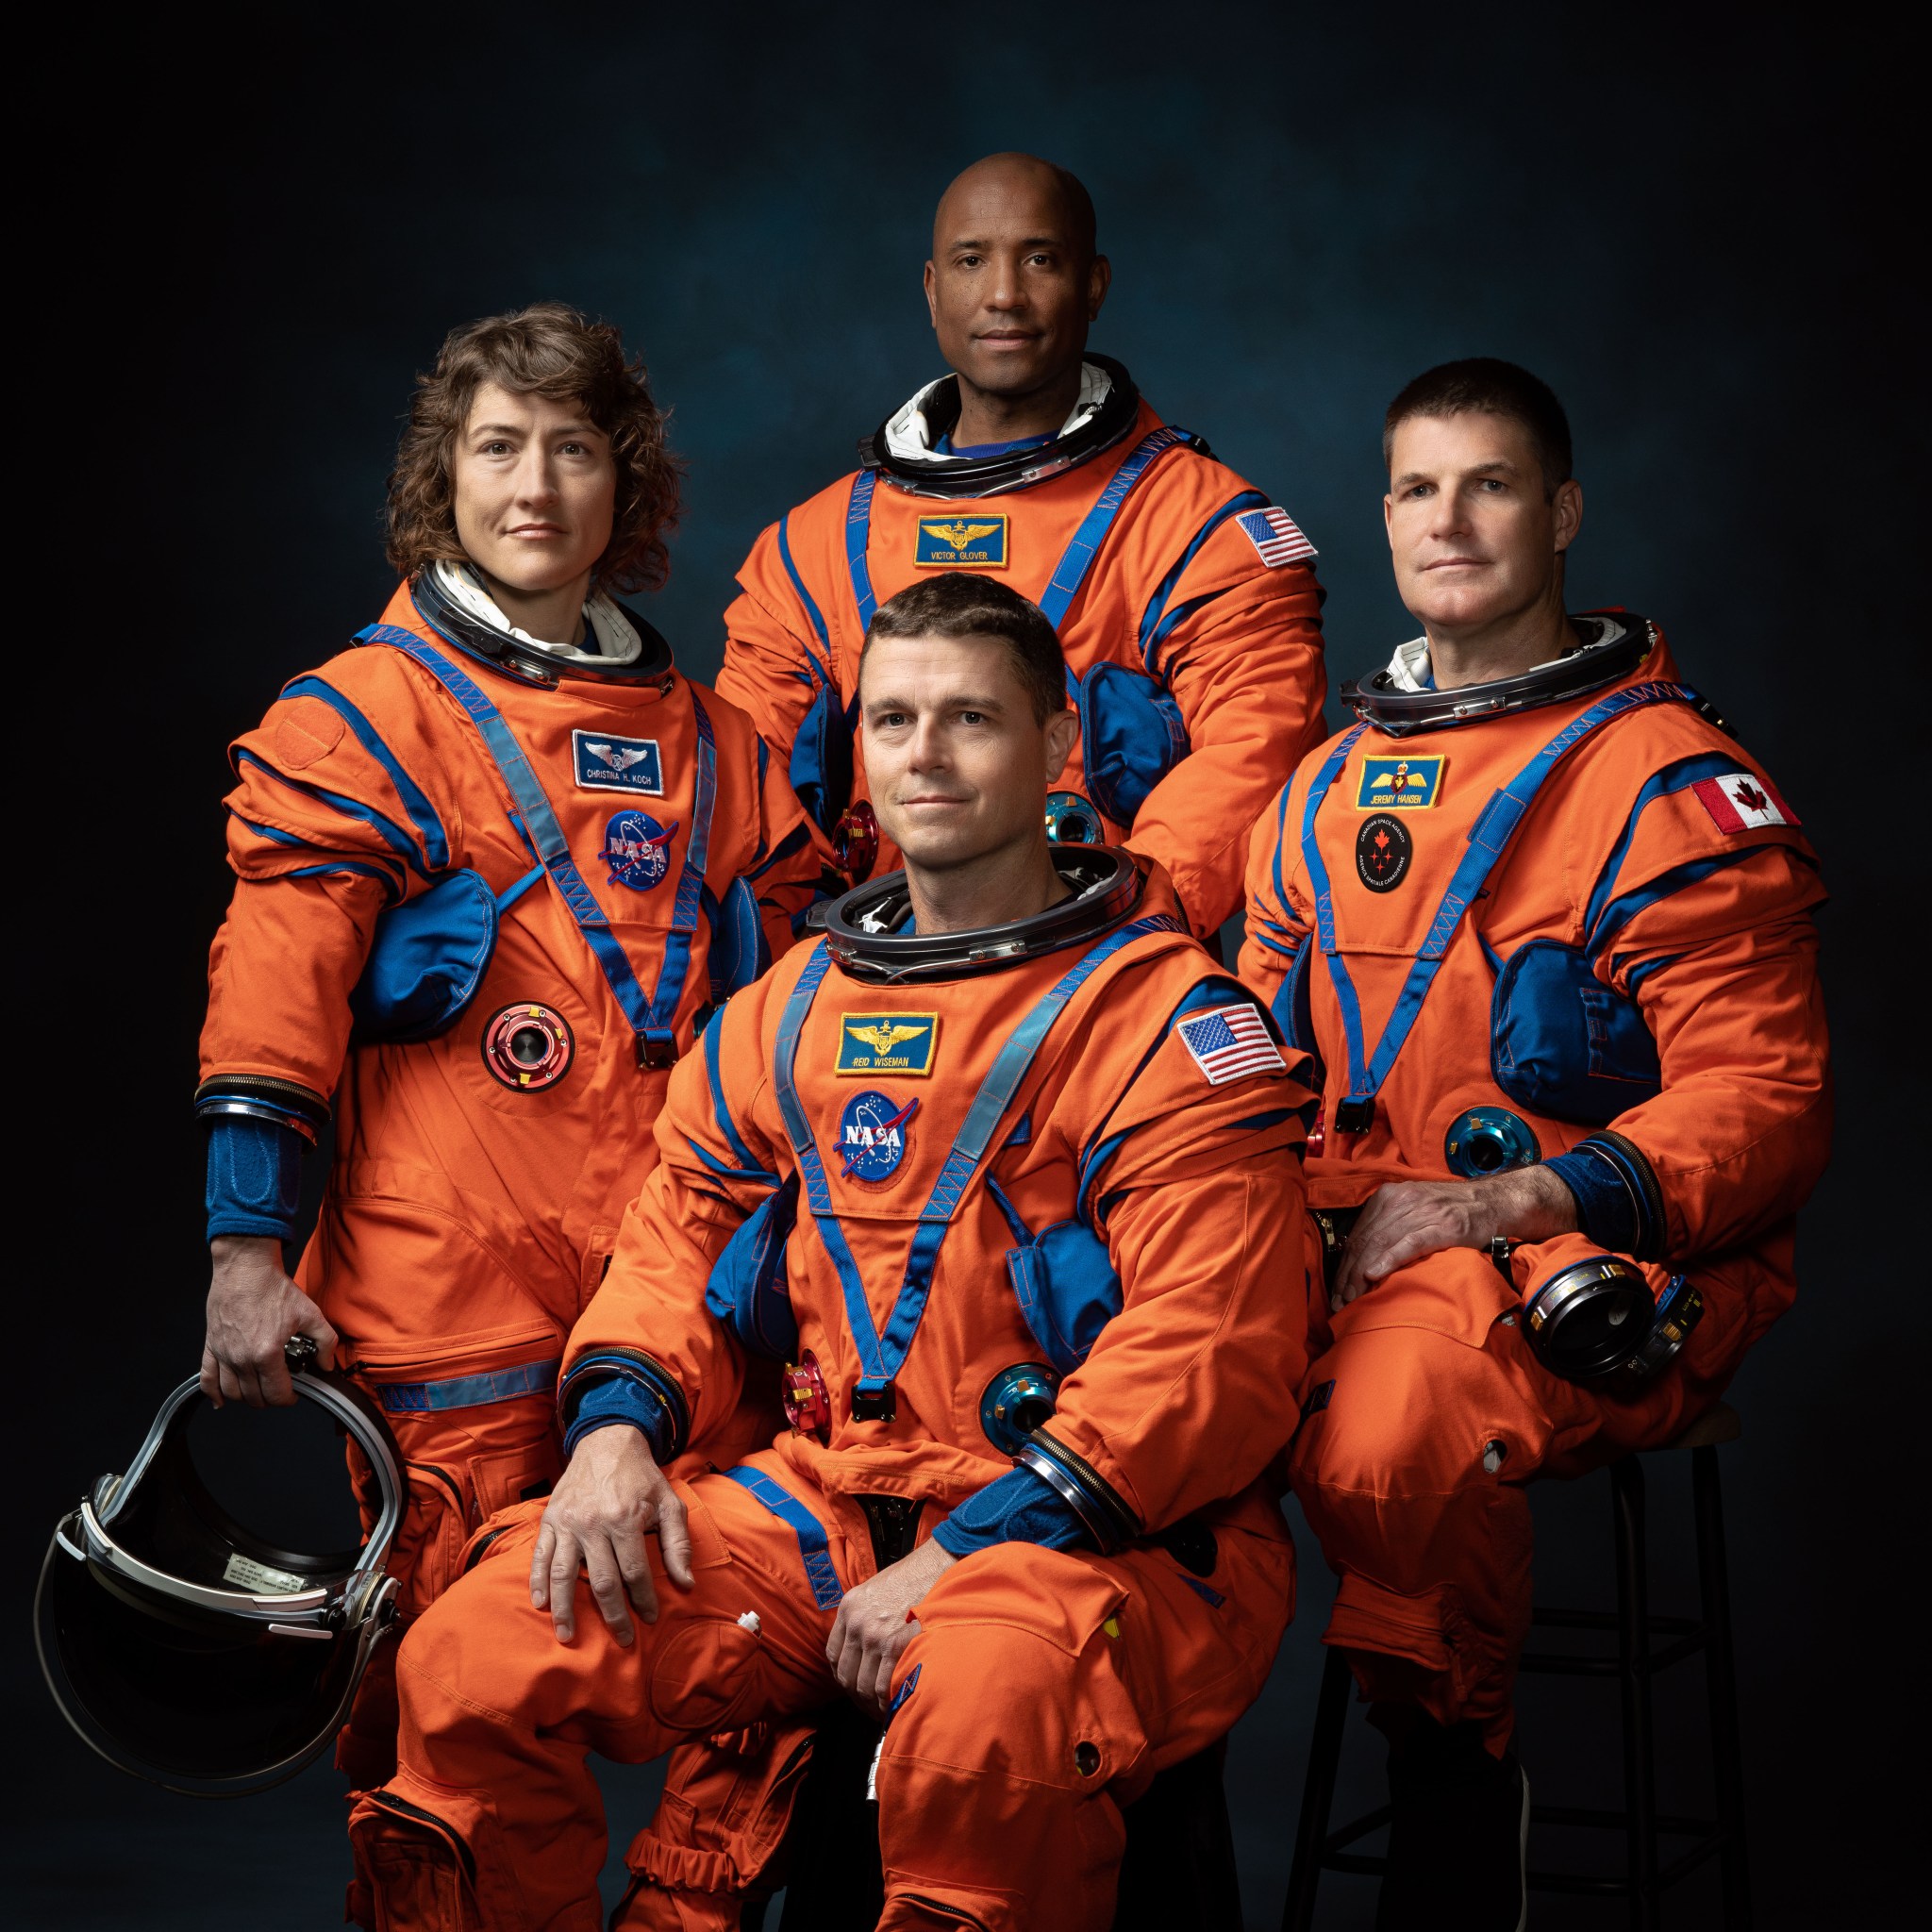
[
  {"x": 865, "y": 929},
  {"x": 529, "y": 663},
  {"x": 1619, "y": 643},
  {"x": 973, "y": 476}
]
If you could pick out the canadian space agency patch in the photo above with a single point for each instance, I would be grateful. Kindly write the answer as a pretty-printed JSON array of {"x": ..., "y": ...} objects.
[
  {"x": 873, "y": 1136},
  {"x": 887, "y": 1044},
  {"x": 604, "y": 763},
  {"x": 971, "y": 542},
  {"x": 1383, "y": 850},
  {"x": 638, "y": 850},
  {"x": 1229, "y": 1042}
]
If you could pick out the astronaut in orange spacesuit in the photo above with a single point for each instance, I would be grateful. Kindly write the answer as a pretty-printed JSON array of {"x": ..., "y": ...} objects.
[
  {"x": 1007, "y": 1170},
  {"x": 1185, "y": 600},
  {"x": 491, "y": 867},
  {"x": 1547, "y": 929}
]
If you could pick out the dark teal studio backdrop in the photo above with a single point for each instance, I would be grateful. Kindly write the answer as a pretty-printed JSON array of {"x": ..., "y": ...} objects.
[{"x": 247, "y": 238}]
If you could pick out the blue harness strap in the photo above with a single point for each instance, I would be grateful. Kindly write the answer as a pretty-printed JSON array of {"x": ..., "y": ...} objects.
[
  {"x": 813, "y": 614},
  {"x": 814, "y": 1549},
  {"x": 685, "y": 911},
  {"x": 1068, "y": 573},
  {"x": 467, "y": 1392},
  {"x": 882, "y": 1356},
  {"x": 1487, "y": 837},
  {"x": 650, "y": 1018},
  {"x": 857, "y": 531}
]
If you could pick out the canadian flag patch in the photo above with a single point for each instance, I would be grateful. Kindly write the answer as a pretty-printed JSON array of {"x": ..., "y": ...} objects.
[{"x": 1739, "y": 801}]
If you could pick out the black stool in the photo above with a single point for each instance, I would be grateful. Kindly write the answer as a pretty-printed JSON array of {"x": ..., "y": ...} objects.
[{"x": 1640, "y": 1657}]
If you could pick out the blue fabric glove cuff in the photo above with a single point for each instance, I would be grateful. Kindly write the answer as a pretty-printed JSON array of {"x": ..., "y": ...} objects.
[
  {"x": 254, "y": 1177},
  {"x": 1020, "y": 1508},
  {"x": 1604, "y": 1207},
  {"x": 620, "y": 1399}
]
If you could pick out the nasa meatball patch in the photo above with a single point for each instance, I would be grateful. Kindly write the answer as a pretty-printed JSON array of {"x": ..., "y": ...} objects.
[
  {"x": 1230, "y": 1042},
  {"x": 1740, "y": 803},
  {"x": 975, "y": 543},
  {"x": 874, "y": 1134},
  {"x": 604, "y": 763},
  {"x": 638, "y": 850}
]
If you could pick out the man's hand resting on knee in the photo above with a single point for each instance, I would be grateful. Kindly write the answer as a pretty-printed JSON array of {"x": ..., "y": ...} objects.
[
  {"x": 875, "y": 1623},
  {"x": 606, "y": 1503},
  {"x": 1407, "y": 1220}
]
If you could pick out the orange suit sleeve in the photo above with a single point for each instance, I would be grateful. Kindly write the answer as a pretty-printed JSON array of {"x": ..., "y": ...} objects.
[
  {"x": 786, "y": 874},
  {"x": 1243, "y": 658},
  {"x": 649, "y": 1322},
  {"x": 1708, "y": 925},
  {"x": 1275, "y": 935},
  {"x": 777, "y": 644},
  {"x": 1196, "y": 1187},
  {"x": 336, "y": 813}
]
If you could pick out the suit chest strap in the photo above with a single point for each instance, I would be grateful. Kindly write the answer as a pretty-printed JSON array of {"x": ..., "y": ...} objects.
[
  {"x": 1075, "y": 560},
  {"x": 1495, "y": 825},
  {"x": 881, "y": 1356},
  {"x": 650, "y": 1016}
]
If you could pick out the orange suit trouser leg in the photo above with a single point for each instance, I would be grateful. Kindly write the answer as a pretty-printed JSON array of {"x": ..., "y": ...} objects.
[
  {"x": 1424, "y": 1418},
  {"x": 493, "y": 1819},
  {"x": 1043, "y": 1691}
]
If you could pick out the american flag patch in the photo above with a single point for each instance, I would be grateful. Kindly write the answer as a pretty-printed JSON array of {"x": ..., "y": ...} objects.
[
  {"x": 1230, "y": 1042},
  {"x": 1275, "y": 536},
  {"x": 1740, "y": 803}
]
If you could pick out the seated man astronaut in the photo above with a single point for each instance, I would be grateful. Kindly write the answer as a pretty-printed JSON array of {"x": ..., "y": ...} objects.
[
  {"x": 1008, "y": 1172},
  {"x": 1546, "y": 928}
]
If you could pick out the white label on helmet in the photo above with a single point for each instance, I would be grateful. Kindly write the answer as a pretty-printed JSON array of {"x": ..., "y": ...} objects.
[{"x": 252, "y": 1576}]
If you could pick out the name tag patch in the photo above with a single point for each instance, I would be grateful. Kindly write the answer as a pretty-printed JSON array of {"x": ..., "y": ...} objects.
[
  {"x": 617, "y": 764},
  {"x": 1740, "y": 803},
  {"x": 1229, "y": 1042},
  {"x": 1399, "y": 784},
  {"x": 887, "y": 1044},
  {"x": 977, "y": 543}
]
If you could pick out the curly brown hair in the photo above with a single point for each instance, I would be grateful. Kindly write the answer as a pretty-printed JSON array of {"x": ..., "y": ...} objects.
[{"x": 549, "y": 350}]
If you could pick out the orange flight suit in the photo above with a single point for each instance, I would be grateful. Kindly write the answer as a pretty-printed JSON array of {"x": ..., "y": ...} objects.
[
  {"x": 472, "y": 1206},
  {"x": 1198, "y": 582},
  {"x": 1636, "y": 878},
  {"x": 1046, "y": 1685}
]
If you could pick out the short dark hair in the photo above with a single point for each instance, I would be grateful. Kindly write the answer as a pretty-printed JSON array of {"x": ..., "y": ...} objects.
[
  {"x": 1485, "y": 385},
  {"x": 963, "y": 604}
]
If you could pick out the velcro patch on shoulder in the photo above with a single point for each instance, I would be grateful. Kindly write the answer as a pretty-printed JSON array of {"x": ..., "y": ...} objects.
[
  {"x": 1229, "y": 1042},
  {"x": 1737, "y": 802},
  {"x": 306, "y": 730},
  {"x": 1277, "y": 537}
]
